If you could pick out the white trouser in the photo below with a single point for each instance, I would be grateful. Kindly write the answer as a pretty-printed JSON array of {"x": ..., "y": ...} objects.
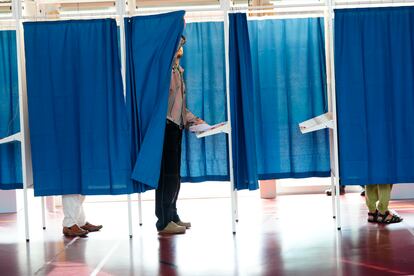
[{"x": 73, "y": 210}]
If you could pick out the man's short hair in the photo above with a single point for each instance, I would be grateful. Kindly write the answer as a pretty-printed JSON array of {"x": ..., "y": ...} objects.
[{"x": 183, "y": 40}]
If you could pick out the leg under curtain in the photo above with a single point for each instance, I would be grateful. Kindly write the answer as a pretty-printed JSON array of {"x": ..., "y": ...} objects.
[{"x": 169, "y": 183}]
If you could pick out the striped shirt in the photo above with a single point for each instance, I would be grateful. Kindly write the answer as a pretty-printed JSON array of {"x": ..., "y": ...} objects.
[{"x": 177, "y": 111}]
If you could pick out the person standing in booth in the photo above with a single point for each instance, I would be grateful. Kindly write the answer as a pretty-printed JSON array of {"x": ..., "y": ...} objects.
[
  {"x": 74, "y": 222},
  {"x": 377, "y": 198},
  {"x": 178, "y": 117}
]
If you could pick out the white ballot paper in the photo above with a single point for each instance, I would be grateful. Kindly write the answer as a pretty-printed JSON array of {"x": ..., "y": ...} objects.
[
  {"x": 317, "y": 123},
  {"x": 203, "y": 130},
  {"x": 200, "y": 128},
  {"x": 14, "y": 137}
]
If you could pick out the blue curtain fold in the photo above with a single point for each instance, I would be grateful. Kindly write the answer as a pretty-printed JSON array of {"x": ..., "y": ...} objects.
[
  {"x": 205, "y": 159},
  {"x": 77, "y": 115},
  {"x": 374, "y": 57},
  {"x": 151, "y": 43},
  {"x": 242, "y": 114},
  {"x": 10, "y": 154},
  {"x": 289, "y": 76}
]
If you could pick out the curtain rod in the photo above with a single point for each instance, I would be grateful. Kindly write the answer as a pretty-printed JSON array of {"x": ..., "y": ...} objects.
[
  {"x": 10, "y": 17},
  {"x": 172, "y": 9},
  {"x": 359, "y": 3},
  {"x": 287, "y": 15},
  {"x": 373, "y": 4},
  {"x": 7, "y": 28},
  {"x": 322, "y": 5},
  {"x": 72, "y": 16},
  {"x": 256, "y": 9},
  {"x": 231, "y": 9},
  {"x": 278, "y": 6}
]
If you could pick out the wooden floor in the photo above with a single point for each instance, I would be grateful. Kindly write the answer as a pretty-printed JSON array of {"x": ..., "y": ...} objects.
[{"x": 292, "y": 235}]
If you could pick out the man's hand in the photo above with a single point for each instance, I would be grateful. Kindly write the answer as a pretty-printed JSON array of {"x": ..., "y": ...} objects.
[
  {"x": 197, "y": 128},
  {"x": 199, "y": 122}
]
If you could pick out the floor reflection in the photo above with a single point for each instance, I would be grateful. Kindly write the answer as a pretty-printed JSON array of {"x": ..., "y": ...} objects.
[{"x": 279, "y": 237}]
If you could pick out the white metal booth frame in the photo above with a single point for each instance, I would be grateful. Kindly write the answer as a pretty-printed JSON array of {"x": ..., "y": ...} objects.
[{"x": 281, "y": 10}]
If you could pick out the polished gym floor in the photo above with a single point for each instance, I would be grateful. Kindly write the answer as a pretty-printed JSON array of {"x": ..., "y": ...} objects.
[{"x": 291, "y": 235}]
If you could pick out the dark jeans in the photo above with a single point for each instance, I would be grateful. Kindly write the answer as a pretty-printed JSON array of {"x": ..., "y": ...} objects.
[{"x": 169, "y": 184}]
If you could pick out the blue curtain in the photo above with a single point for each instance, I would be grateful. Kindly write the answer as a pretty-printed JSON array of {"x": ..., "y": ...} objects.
[
  {"x": 205, "y": 159},
  {"x": 242, "y": 113},
  {"x": 10, "y": 158},
  {"x": 151, "y": 43},
  {"x": 374, "y": 59},
  {"x": 77, "y": 114},
  {"x": 290, "y": 86}
]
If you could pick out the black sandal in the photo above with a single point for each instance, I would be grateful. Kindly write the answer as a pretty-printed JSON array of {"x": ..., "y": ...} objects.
[
  {"x": 373, "y": 217},
  {"x": 383, "y": 218}
]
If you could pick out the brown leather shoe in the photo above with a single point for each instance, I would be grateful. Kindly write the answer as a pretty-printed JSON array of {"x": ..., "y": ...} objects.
[
  {"x": 187, "y": 225},
  {"x": 91, "y": 228},
  {"x": 74, "y": 231}
]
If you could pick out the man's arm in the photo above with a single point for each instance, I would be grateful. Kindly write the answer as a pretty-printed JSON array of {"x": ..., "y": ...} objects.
[{"x": 191, "y": 119}]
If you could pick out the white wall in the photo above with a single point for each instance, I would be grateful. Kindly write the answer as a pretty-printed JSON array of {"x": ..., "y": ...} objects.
[
  {"x": 403, "y": 191},
  {"x": 8, "y": 201}
]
